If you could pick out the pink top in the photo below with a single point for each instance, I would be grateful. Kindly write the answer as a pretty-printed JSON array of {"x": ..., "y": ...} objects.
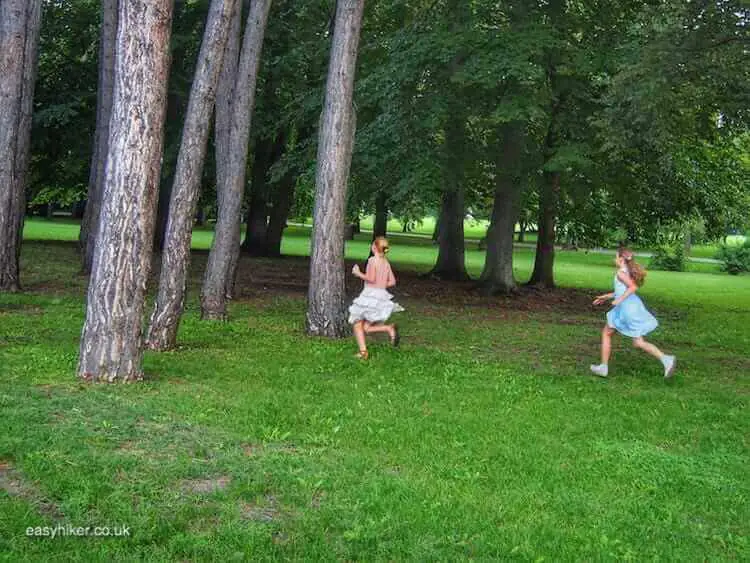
[{"x": 379, "y": 273}]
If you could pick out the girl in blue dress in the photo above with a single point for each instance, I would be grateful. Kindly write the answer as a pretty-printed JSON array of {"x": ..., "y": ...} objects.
[{"x": 629, "y": 315}]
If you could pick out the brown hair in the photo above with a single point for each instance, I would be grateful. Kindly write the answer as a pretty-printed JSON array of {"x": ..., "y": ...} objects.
[
  {"x": 381, "y": 243},
  {"x": 635, "y": 270}
]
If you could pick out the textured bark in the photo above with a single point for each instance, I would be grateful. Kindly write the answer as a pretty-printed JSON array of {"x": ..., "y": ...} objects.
[
  {"x": 111, "y": 343},
  {"x": 380, "y": 227},
  {"x": 170, "y": 300},
  {"x": 20, "y": 22},
  {"x": 325, "y": 312},
  {"x": 450, "y": 263},
  {"x": 497, "y": 276},
  {"x": 282, "y": 204},
  {"x": 544, "y": 261},
  {"x": 218, "y": 282},
  {"x": 104, "y": 94}
]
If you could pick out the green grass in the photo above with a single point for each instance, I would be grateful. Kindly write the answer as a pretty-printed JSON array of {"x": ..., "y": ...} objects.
[
  {"x": 711, "y": 250},
  {"x": 483, "y": 437}
]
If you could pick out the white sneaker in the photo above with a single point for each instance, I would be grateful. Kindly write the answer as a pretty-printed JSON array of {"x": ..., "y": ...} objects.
[
  {"x": 670, "y": 362},
  {"x": 601, "y": 370}
]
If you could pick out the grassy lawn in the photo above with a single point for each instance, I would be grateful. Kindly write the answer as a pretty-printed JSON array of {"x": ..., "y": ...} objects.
[{"x": 483, "y": 437}]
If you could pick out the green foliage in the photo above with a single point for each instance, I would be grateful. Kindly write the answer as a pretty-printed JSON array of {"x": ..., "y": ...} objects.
[
  {"x": 735, "y": 257},
  {"x": 669, "y": 257}
]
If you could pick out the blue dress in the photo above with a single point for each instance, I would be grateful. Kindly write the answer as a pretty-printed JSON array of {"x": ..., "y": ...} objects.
[{"x": 630, "y": 318}]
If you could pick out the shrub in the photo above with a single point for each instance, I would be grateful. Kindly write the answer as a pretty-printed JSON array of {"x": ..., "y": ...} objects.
[
  {"x": 735, "y": 258},
  {"x": 669, "y": 257}
]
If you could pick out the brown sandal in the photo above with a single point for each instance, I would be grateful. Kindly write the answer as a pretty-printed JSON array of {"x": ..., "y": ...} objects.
[{"x": 362, "y": 355}]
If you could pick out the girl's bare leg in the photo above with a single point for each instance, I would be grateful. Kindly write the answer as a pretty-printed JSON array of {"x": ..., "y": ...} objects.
[
  {"x": 379, "y": 327},
  {"x": 359, "y": 335},
  {"x": 647, "y": 347},
  {"x": 607, "y": 332}
]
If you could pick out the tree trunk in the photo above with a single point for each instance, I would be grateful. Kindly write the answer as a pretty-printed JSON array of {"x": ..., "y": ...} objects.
[
  {"x": 450, "y": 263},
  {"x": 218, "y": 282},
  {"x": 111, "y": 342},
  {"x": 170, "y": 300},
  {"x": 257, "y": 216},
  {"x": 77, "y": 210},
  {"x": 282, "y": 204},
  {"x": 544, "y": 261},
  {"x": 380, "y": 227},
  {"x": 20, "y": 23},
  {"x": 162, "y": 205},
  {"x": 104, "y": 95},
  {"x": 497, "y": 276},
  {"x": 521, "y": 230},
  {"x": 326, "y": 307}
]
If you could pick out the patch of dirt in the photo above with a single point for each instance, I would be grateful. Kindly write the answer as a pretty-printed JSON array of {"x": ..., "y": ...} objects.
[
  {"x": 317, "y": 499},
  {"x": 205, "y": 486},
  {"x": 205, "y": 525},
  {"x": 259, "y": 280},
  {"x": 13, "y": 483},
  {"x": 19, "y": 308},
  {"x": 266, "y": 509},
  {"x": 129, "y": 448}
]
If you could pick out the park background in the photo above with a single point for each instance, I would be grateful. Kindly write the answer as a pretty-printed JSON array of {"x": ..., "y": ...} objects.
[{"x": 573, "y": 126}]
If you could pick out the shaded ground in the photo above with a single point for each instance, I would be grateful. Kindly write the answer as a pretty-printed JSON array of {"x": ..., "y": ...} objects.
[{"x": 290, "y": 275}]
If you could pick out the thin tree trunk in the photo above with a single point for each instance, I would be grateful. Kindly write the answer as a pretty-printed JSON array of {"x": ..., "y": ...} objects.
[
  {"x": 170, "y": 301},
  {"x": 218, "y": 282},
  {"x": 162, "y": 205},
  {"x": 282, "y": 204},
  {"x": 325, "y": 312},
  {"x": 544, "y": 261},
  {"x": 104, "y": 95},
  {"x": 497, "y": 276},
  {"x": 77, "y": 210},
  {"x": 257, "y": 215},
  {"x": 111, "y": 342},
  {"x": 20, "y": 23},
  {"x": 380, "y": 227},
  {"x": 450, "y": 263},
  {"x": 521, "y": 230}
]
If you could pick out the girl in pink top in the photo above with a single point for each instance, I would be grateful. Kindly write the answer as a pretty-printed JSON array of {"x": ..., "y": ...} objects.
[{"x": 374, "y": 305}]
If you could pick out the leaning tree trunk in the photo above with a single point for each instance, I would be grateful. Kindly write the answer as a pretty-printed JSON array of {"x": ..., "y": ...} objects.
[
  {"x": 218, "y": 282},
  {"x": 111, "y": 342},
  {"x": 497, "y": 276},
  {"x": 20, "y": 23},
  {"x": 325, "y": 312},
  {"x": 170, "y": 301},
  {"x": 544, "y": 261},
  {"x": 104, "y": 94},
  {"x": 380, "y": 227}
]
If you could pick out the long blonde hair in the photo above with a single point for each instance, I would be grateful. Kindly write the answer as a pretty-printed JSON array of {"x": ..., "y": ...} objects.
[{"x": 635, "y": 270}]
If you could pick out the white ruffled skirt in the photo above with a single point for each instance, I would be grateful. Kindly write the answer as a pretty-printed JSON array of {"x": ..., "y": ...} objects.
[{"x": 374, "y": 305}]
